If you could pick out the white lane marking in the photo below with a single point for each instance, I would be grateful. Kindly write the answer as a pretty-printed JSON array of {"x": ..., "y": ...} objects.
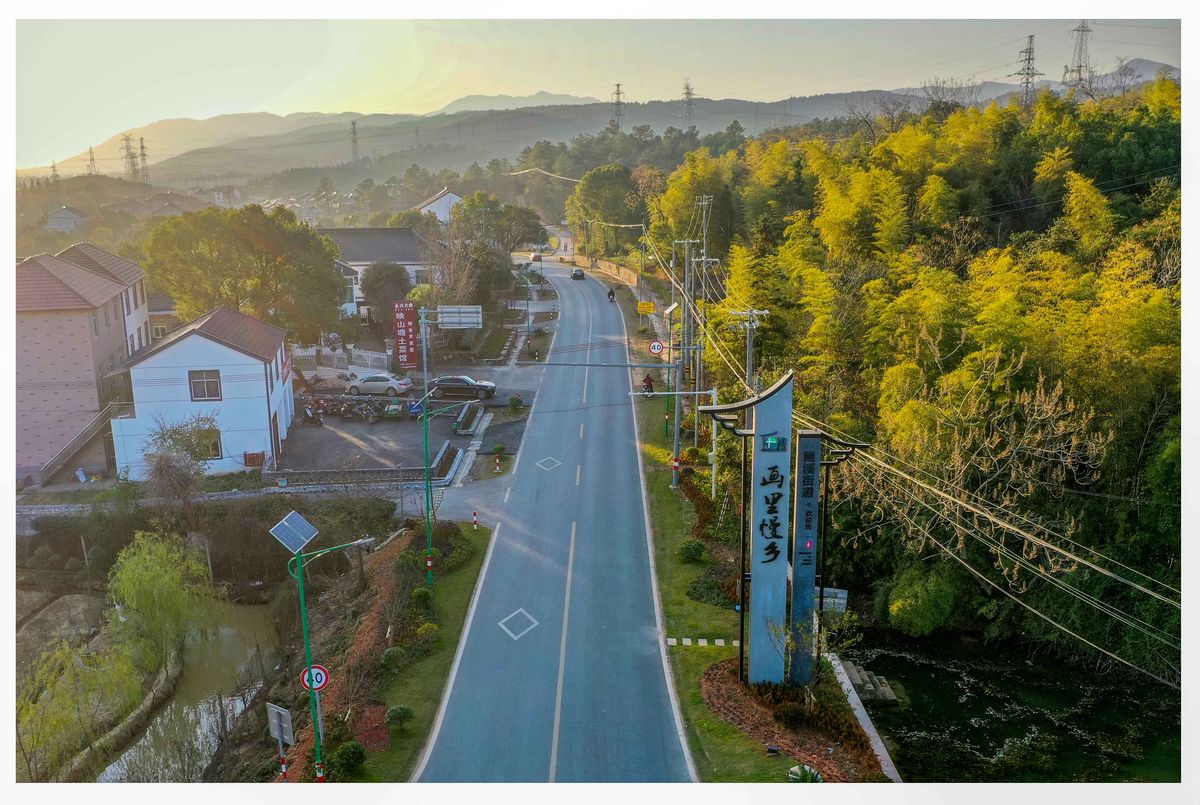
[
  {"x": 549, "y": 463},
  {"x": 507, "y": 492},
  {"x": 533, "y": 405},
  {"x": 530, "y": 623},
  {"x": 578, "y": 469},
  {"x": 658, "y": 615},
  {"x": 581, "y": 431},
  {"x": 587, "y": 298},
  {"x": 562, "y": 657},
  {"x": 462, "y": 642}
]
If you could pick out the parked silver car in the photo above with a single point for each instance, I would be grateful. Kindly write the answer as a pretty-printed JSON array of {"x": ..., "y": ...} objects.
[{"x": 391, "y": 385}]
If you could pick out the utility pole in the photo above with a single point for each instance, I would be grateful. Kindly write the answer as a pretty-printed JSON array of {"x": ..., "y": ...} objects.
[
  {"x": 751, "y": 324},
  {"x": 1079, "y": 71},
  {"x": 354, "y": 141},
  {"x": 689, "y": 103},
  {"x": 618, "y": 106},
  {"x": 1028, "y": 74},
  {"x": 144, "y": 169},
  {"x": 91, "y": 168}
]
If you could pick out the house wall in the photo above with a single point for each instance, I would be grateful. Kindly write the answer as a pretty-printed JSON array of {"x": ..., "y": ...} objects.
[
  {"x": 137, "y": 321},
  {"x": 441, "y": 208},
  {"x": 108, "y": 342},
  {"x": 55, "y": 370},
  {"x": 168, "y": 320},
  {"x": 161, "y": 391}
]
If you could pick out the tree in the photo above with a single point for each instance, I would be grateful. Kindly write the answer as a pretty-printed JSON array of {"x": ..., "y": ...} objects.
[
  {"x": 269, "y": 265},
  {"x": 160, "y": 588},
  {"x": 384, "y": 284},
  {"x": 938, "y": 204},
  {"x": 517, "y": 226},
  {"x": 1088, "y": 214},
  {"x": 605, "y": 195}
]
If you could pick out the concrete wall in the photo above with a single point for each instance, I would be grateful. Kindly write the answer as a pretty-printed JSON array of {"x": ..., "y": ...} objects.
[{"x": 161, "y": 390}]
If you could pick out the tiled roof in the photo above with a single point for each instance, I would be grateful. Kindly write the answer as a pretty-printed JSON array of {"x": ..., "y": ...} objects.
[
  {"x": 70, "y": 209},
  {"x": 160, "y": 303},
  {"x": 93, "y": 258},
  {"x": 368, "y": 245},
  {"x": 45, "y": 282},
  {"x": 226, "y": 326}
]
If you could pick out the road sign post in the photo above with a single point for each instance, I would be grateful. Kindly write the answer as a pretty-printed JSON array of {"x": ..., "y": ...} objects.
[{"x": 279, "y": 722}]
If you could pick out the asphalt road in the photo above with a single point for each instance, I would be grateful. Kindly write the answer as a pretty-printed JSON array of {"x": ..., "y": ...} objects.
[{"x": 561, "y": 674}]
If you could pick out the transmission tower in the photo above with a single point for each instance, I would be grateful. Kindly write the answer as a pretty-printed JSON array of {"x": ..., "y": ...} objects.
[
  {"x": 1028, "y": 74},
  {"x": 143, "y": 168},
  {"x": 54, "y": 172},
  {"x": 618, "y": 106},
  {"x": 1079, "y": 71},
  {"x": 354, "y": 140},
  {"x": 130, "y": 156},
  {"x": 91, "y": 169},
  {"x": 689, "y": 103}
]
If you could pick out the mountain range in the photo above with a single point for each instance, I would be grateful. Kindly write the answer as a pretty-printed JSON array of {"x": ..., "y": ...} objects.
[{"x": 235, "y": 148}]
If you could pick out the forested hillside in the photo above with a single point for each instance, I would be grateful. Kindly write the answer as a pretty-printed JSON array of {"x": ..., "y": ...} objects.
[{"x": 991, "y": 298}]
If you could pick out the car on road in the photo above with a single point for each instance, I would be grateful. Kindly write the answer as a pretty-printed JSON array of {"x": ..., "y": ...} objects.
[
  {"x": 535, "y": 257},
  {"x": 577, "y": 274},
  {"x": 462, "y": 387},
  {"x": 389, "y": 384}
]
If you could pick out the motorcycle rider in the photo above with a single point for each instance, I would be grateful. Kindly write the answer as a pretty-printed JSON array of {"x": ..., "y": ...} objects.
[
  {"x": 612, "y": 295},
  {"x": 648, "y": 384}
]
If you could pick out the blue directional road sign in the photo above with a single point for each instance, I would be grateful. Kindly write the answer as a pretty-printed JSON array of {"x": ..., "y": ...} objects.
[
  {"x": 293, "y": 532},
  {"x": 415, "y": 408}
]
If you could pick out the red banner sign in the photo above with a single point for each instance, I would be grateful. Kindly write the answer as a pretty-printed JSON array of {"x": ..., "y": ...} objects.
[{"x": 406, "y": 334}]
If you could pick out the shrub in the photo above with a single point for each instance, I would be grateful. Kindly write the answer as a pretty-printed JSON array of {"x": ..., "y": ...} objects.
[
  {"x": 346, "y": 761},
  {"x": 73, "y": 564},
  {"x": 711, "y": 588},
  {"x": 691, "y": 551},
  {"x": 499, "y": 449},
  {"x": 428, "y": 634},
  {"x": 515, "y": 403},
  {"x": 399, "y": 715},
  {"x": 394, "y": 658},
  {"x": 421, "y": 599},
  {"x": 791, "y": 714}
]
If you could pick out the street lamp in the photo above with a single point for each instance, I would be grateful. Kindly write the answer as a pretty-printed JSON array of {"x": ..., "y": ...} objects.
[{"x": 295, "y": 567}]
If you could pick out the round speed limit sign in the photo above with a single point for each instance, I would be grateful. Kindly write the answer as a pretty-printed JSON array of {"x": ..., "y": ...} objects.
[
  {"x": 656, "y": 347},
  {"x": 320, "y": 678}
]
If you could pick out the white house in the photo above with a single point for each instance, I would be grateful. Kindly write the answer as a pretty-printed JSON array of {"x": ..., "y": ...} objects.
[
  {"x": 65, "y": 219},
  {"x": 440, "y": 204},
  {"x": 225, "y": 364},
  {"x": 360, "y": 247}
]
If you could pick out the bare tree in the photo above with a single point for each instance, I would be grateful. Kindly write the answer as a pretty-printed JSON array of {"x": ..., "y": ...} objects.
[{"x": 948, "y": 95}]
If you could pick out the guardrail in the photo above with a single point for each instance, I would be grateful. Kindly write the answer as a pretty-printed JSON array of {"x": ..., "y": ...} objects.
[{"x": 371, "y": 475}]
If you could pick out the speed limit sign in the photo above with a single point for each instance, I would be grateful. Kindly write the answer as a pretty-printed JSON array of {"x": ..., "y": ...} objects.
[
  {"x": 656, "y": 347},
  {"x": 320, "y": 678}
]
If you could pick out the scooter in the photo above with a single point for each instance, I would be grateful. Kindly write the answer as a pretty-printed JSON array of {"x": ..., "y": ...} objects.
[
  {"x": 312, "y": 416},
  {"x": 647, "y": 390}
]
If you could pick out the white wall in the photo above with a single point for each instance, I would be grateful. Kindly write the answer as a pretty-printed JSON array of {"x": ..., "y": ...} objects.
[
  {"x": 161, "y": 389},
  {"x": 138, "y": 317},
  {"x": 441, "y": 208}
]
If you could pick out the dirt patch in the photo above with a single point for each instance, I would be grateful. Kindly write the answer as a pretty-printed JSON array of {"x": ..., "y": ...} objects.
[
  {"x": 370, "y": 727},
  {"x": 728, "y": 699},
  {"x": 29, "y": 602},
  {"x": 75, "y": 618}
]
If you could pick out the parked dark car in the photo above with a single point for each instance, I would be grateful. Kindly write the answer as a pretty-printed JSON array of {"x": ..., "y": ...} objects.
[
  {"x": 462, "y": 387},
  {"x": 577, "y": 274}
]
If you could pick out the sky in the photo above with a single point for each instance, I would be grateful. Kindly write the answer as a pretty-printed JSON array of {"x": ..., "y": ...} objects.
[{"x": 79, "y": 82}]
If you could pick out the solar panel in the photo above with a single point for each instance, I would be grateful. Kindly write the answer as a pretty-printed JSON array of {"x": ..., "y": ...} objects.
[{"x": 293, "y": 532}]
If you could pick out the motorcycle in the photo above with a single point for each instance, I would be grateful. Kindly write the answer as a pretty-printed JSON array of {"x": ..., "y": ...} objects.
[{"x": 647, "y": 390}]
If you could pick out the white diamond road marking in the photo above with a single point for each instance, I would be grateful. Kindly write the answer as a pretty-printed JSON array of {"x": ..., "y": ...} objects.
[
  {"x": 518, "y": 635},
  {"x": 549, "y": 463}
]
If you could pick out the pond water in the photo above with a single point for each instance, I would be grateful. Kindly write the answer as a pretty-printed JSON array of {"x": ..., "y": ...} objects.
[
  {"x": 983, "y": 713},
  {"x": 220, "y": 673}
]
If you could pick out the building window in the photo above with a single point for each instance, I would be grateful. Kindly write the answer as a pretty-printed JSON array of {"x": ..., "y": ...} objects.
[
  {"x": 208, "y": 444},
  {"x": 95, "y": 323},
  {"x": 205, "y": 383},
  {"x": 131, "y": 345},
  {"x": 139, "y": 335},
  {"x": 135, "y": 296},
  {"x": 106, "y": 325},
  {"x": 125, "y": 301},
  {"x": 158, "y": 331}
]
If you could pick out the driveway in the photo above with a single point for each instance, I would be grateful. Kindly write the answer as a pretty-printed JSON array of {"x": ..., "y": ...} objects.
[{"x": 351, "y": 445}]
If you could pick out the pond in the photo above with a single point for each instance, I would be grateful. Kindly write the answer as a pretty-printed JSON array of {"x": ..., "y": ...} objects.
[
  {"x": 984, "y": 713},
  {"x": 220, "y": 675}
]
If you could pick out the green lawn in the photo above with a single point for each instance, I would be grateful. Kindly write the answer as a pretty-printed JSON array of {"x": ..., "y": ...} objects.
[
  {"x": 420, "y": 685},
  {"x": 722, "y": 752}
]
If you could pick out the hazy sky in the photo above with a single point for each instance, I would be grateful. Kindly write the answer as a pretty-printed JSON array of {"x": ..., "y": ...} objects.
[{"x": 81, "y": 82}]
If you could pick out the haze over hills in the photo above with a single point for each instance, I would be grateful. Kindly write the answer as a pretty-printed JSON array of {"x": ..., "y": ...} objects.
[
  {"x": 236, "y": 148},
  {"x": 483, "y": 103}
]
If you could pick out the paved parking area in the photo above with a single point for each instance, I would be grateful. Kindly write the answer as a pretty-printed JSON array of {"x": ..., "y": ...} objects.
[{"x": 350, "y": 445}]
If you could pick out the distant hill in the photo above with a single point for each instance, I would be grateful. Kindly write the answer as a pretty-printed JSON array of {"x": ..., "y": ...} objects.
[
  {"x": 1141, "y": 71},
  {"x": 175, "y": 136},
  {"x": 456, "y": 140},
  {"x": 482, "y": 103}
]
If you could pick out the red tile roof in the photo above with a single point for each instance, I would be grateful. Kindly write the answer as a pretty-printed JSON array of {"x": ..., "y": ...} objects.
[
  {"x": 93, "y": 258},
  {"x": 45, "y": 282},
  {"x": 226, "y": 326}
]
